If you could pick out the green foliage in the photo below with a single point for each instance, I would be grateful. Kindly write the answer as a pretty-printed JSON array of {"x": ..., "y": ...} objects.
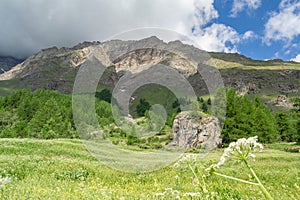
[
  {"x": 170, "y": 120},
  {"x": 43, "y": 114},
  {"x": 208, "y": 101},
  {"x": 245, "y": 118},
  {"x": 219, "y": 108},
  {"x": 142, "y": 107},
  {"x": 104, "y": 113},
  {"x": 104, "y": 95},
  {"x": 285, "y": 127},
  {"x": 204, "y": 107},
  {"x": 157, "y": 120},
  {"x": 200, "y": 99},
  {"x": 48, "y": 114},
  {"x": 295, "y": 119},
  {"x": 296, "y": 104},
  {"x": 50, "y": 121},
  {"x": 175, "y": 104},
  {"x": 131, "y": 140},
  {"x": 80, "y": 174},
  {"x": 154, "y": 94}
]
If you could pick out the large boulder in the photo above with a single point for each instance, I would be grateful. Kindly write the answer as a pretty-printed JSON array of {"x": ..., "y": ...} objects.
[{"x": 192, "y": 130}]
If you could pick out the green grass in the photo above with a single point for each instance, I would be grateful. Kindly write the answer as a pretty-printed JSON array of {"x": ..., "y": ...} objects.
[
  {"x": 162, "y": 96},
  {"x": 224, "y": 60},
  {"x": 64, "y": 169},
  {"x": 8, "y": 86}
]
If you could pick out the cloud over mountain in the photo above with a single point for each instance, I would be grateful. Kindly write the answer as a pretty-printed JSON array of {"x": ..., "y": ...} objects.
[{"x": 28, "y": 26}]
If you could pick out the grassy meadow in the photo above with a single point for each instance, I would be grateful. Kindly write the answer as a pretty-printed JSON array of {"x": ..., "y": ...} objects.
[{"x": 64, "y": 169}]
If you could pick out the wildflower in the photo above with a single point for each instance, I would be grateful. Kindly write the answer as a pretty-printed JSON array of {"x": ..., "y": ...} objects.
[
  {"x": 192, "y": 194},
  {"x": 241, "y": 151},
  {"x": 4, "y": 181},
  {"x": 188, "y": 158},
  {"x": 160, "y": 194},
  {"x": 169, "y": 192}
]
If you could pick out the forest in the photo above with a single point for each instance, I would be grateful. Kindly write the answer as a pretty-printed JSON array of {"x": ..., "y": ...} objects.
[{"x": 47, "y": 114}]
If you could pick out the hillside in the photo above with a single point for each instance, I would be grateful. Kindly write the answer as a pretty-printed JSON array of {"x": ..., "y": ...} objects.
[
  {"x": 56, "y": 68},
  {"x": 7, "y": 62}
]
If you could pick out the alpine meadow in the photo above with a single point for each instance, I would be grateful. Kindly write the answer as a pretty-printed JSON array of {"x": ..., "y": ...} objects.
[{"x": 160, "y": 99}]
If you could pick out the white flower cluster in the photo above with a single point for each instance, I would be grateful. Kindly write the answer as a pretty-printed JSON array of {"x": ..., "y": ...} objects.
[
  {"x": 169, "y": 192},
  {"x": 192, "y": 194},
  {"x": 187, "y": 158},
  {"x": 240, "y": 150},
  {"x": 4, "y": 181}
]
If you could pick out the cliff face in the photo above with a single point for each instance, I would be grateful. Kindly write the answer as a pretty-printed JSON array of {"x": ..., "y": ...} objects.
[{"x": 56, "y": 68}]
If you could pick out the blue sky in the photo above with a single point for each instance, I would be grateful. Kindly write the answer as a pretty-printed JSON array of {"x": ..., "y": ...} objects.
[
  {"x": 259, "y": 29},
  {"x": 255, "y": 20},
  {"x": 274, "y": 27}
]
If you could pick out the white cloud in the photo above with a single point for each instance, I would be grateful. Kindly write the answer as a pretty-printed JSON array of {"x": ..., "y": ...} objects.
[
  {"x": 283, "y": 25},
  {"x": 240, "y": 5},
  {"x": 249, "y": 35},
  {"x": 216, "y": 38},
  {"x": 26, "y": 27},
  {"x": 296, "y": 59},
  {"x": 219, "y": 38},
  {"x": 205, "y": 12}
]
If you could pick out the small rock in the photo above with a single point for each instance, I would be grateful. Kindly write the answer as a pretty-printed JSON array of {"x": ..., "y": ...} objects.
[{"x": 283, "y": 101}]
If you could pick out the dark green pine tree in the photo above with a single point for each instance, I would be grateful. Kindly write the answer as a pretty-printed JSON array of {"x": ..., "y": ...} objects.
[
  {"x": 209, "y": 101},
  {"x": 175, "y": 104},
  {"x": 297, "y": 128},
  {"x": 104, "y": 95},
  {"x": 200, "y": 99},
  {"x": 295, "y": 114},
  {"x": 204, "y": 107},
  {"x": 285, "y": 127},
  {"x": 142, "y": 107},
  {"x": 245, "y": 119},
  {"x": 264, "y": 123}
]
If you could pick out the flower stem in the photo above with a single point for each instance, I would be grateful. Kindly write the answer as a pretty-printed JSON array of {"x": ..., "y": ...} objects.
[
  {"x": 261, "y": 186},
  {"x": 194, "y": 173},
  {"x": 236, "y": 179}
]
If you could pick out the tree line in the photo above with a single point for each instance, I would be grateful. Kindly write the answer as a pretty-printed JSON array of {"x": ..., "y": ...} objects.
[{"x": 47, "y": 114}]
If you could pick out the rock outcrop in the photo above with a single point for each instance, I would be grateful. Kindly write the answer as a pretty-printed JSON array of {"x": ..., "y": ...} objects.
[
  {"x": 283, "y": 101},
  {"x": 193, "y": 131}
]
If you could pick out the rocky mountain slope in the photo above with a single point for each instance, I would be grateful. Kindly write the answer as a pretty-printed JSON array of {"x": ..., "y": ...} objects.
[
  {"x": 56, "y": 68},
  {"x": 7, "y": 62}
]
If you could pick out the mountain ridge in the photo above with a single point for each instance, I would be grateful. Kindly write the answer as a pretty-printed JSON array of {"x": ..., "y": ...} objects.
[{"x": 56, "y": 68}]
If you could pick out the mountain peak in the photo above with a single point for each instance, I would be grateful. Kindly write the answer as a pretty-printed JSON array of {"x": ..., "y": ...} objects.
[
  {"x": 152, "y": 39},
  {"x": 85, "y": 44}
]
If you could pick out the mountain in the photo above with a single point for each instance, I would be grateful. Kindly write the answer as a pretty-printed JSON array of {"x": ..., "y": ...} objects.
[
  {"x": 7, "y": 62},
  {"x": 56, "y": 68}
]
